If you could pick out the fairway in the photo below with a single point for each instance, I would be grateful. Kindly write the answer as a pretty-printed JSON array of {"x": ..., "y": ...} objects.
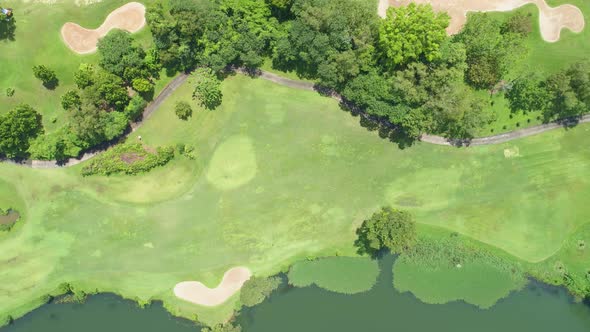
[{"x": 280, "y": 175}]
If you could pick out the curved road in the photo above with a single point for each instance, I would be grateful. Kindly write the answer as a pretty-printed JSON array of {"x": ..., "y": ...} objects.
[{"x": 303, "y": 85}]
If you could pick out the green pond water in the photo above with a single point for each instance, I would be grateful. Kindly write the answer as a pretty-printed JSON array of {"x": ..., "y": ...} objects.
[{"x": 537, "y": 308}]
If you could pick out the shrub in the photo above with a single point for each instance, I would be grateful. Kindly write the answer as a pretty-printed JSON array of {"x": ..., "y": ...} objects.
[
  {"x": 46, "y": 75},
  {"x": 84, "y": 76},
  {"x": 257, "y": 289},
  {"x": 128, "y": 159},
  {"x": 135, "y": 107},
  {"x": 142, "y": 85},
  {"x": 71, "y": 100},
  {"x": 183, "y": 110},
  {"x": 10, "y": 92}
]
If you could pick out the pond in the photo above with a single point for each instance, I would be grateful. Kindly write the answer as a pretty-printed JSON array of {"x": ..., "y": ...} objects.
[{"x": 536, "y": 308}]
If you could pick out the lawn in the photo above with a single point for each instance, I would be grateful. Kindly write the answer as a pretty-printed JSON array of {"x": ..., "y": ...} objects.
[
  {"x": 280, "y": 175},
  {"x": 38, "y": 41}
]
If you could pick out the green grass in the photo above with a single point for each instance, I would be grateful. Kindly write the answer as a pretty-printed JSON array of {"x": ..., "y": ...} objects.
[
  {"x": 38, "y": 41},
  {"x": 462, "y": 269},
  {"x": 318, "y": 175},
  {"x": 348, "y": 275}
]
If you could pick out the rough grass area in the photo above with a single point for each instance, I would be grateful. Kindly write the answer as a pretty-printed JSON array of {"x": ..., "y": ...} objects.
[
  {"x": 318, "y": 176},
  {"x": 348, "y": 275},
  {"x": 129, "y": 158},
  {"x": 444, "y": 267}
]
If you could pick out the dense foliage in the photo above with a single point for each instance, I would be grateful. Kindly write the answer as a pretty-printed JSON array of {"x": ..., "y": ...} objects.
[
  {"x": 562, "y": 95},
  {"x": 128, "y": 159},
  {"x": 410, "y": 33},
  {"x": 17, "y": 128},
  {"x": 389, "y": 229},
  {"x": 257, "y": 289},
  {"x": 207, "y": 88}
]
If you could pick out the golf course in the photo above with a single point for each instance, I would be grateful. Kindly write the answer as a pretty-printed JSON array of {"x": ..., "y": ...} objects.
[{"x": 277, "y": 181}]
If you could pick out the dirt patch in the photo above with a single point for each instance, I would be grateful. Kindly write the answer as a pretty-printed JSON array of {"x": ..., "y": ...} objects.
[
  {"x": 551, "y": 20},
  {"x": 196, "y": 292},
  {"x": 131, "y": 157},
  {"x": 130, "y": 17},
  {"x": 9, "y": 218}
]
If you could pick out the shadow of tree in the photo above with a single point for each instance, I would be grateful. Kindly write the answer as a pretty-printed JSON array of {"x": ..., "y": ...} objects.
[{"x": 7, "y": 29}]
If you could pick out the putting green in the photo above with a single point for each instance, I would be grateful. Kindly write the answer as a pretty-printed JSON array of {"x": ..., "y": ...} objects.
[
  {"x": 317, "y": 175},
  {"x": 233, "y": 164}
]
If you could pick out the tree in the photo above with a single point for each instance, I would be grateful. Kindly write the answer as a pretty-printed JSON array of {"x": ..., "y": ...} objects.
[
  {"x": 207, "y": 88},
  {"x": 84, "y": 76},
  {"x": 107, "y": 92},
  {"x": 17, "y": 128},
  {"x": 142, "y": 85},
  {"x": 410, "y": 33},
  {"x": 118, "y": 54},
  {"x": 183, "y": 110},
  {"x": 257, "y": 289},
  {"x": 71, "y": 100},
  {"x": 527, "y": 94},
  {"x": 491, "y": 50},
  {"x": 135, "y": 108},
  {"x": 328, "y": 39},
  {"x": 569, "y": 91},
  {"x": 46, "y": 75},
  {"x": 390, "y": 229},
  {"x": 518, "y": 23}
]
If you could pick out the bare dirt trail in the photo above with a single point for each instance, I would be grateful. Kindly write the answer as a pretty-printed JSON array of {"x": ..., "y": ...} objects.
[
  {"x": 551, "y": 20},
  {"x": 129, "y": 17}
]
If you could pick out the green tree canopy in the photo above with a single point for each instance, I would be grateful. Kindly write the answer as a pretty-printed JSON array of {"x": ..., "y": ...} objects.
[
  {"x": 207, "y": 88},
  {"x": 410, "y": 33},
  {"x": 17, "y": 128},
  {"x": 183, "y": 110},
  {"x": 527, "y": 94},
  {"x": 328, "y": 39},
  {"x": 390, "y": 229},
  {"x": 119, "y": 55},
  {"x": 46, "y": 75}
]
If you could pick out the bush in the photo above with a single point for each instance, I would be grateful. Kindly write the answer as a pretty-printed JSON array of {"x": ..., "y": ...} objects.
[
  {"x": 84, "y": 76},
  {"x": 71, "y": 100},
  {"x": 183, "y": 110},
  {"x": 135, "y": 108},
  {"x": 57, "y": 145},
  {"x": 10, "y": 92},
  {"x": 142, "y": 85},
  {"x": 46, "y": 75},
  {"x": 128, "y": 159},
  {"x": 257, "y": 289}
]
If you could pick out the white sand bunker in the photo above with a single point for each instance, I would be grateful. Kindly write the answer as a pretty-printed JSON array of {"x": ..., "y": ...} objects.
[
  {"x": 551, "y": 20},
  {"x": 196, "y": 292},
  {"x": 130, "y": 17}
]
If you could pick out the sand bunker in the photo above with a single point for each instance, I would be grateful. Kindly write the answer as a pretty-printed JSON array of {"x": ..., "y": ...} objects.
[
  {"x": 551, "y": 20},
  {"x": 130, "y": 17},
  {"x": 196, "y": 292}
]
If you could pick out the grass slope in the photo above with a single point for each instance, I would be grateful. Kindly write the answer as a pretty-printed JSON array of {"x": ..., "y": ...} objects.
[
  {"x": 348, "y": 275},
  {"x": 318, "y": 175}
]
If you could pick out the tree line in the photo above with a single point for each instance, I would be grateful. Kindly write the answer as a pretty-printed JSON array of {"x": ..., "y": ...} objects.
[{"x": 403, "y": 69}]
